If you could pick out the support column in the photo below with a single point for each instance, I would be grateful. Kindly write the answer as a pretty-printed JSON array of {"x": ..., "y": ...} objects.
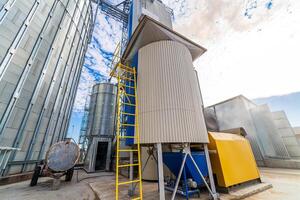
[
  {"x": 210, "y": 173},
  {"x": 160, "y": 172}
]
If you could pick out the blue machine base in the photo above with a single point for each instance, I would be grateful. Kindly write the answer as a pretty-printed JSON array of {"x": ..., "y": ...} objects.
[
  {"x": 190, "y": 193},
  {"x": 173, "y": 161}
]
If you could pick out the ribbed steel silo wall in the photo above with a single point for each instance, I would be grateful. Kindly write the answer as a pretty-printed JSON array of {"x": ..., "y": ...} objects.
[
  {"x": 102, "y": 110},
  {"x": 42, "y": 47},
  {"x": 169, "y": 99}
]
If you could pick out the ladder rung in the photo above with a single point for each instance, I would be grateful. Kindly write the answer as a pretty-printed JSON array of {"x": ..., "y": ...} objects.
[
  {"x": 127, "y": 86},
  {"x": 127, "y": 124},
  {"x": 128, "y": 104},
  {"x": 126, "y": 78},
  {"x": 128, "y": 182},
  {"x": 129, "y": 165},
  {"x": 136, "y": 198},
  {"x": 127, "y": 137},
  {"x": 127, "y": 150},
  {"x": 129, "y": 69},
  {"x": 130, "y": 95},
  {"x": 125, "y": 113}
]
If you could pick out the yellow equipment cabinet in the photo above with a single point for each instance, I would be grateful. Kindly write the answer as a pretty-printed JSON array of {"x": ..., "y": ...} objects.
[{"x": 232, "y": 159}]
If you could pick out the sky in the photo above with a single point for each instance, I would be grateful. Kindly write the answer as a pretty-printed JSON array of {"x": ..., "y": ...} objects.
[{"x": 252, "y": 49}]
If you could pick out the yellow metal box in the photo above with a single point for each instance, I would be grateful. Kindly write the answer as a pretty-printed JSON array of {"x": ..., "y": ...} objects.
[{"x": 232, "y": 159}]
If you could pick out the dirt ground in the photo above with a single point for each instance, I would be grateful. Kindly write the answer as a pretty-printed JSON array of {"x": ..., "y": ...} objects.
[{"x": 286, "y": 185}]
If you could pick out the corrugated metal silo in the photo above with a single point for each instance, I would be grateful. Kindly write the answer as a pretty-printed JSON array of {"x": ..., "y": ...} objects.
[
  {"x": 42, "y": 47},
  {"x": 170, "y": 104},
  {"x": 102, "y": 110},
  {"x": 101, "y": 126}
]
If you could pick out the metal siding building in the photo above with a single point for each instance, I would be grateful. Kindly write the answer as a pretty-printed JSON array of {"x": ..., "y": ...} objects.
[
  {"x": 257, "y": 120},
  {"x": 154, "y": 9},
  {"x": 170, "y": 106},
  {"x": 42, "y": 47},
  {"x": 234, "y": 113}
]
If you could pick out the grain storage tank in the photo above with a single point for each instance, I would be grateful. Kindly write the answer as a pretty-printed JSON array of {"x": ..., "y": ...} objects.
[
  {"x": 101, "y": 126},
  {"x": 170, "y": 106},
  {"x": 102, "y": 110},
  {"x": 42, "y": 47}
]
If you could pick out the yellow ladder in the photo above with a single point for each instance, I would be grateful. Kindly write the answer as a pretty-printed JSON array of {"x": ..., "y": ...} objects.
[{"x": 126, "y": 77}]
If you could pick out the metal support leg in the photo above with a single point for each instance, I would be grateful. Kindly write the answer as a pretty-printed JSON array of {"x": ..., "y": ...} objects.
[
  {"x": 213, "y": 194},
  {"x": 179, "y": 176},
  {"x": 160, "y": 172},
  {"x": 210, "y": 174},
  {"x": 185, "y": 183}
]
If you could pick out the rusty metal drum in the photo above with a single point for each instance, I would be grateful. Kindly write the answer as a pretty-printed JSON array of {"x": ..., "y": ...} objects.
[{"x": 62, "y": 156}]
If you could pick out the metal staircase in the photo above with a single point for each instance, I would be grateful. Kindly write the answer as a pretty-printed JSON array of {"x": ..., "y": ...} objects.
[{"x": 127, "y": 121}]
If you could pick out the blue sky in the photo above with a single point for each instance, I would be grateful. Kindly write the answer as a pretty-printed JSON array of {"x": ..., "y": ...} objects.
[{"x": 244, "y": 41}]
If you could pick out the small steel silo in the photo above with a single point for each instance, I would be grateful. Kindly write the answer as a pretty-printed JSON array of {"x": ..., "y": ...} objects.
[{"x": 101, "y": 125}]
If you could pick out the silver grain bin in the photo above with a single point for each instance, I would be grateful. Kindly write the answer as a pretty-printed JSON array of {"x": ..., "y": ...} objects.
[
  {"x": 42, "y": 47},
  {"x": 102, "y": 111},
  {"x": 101, "y": 126}
]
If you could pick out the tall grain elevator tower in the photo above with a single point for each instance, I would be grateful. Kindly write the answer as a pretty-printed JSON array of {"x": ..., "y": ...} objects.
[
  {"x": 170, "y": 108},
  {"x": 42, "y": 48}
]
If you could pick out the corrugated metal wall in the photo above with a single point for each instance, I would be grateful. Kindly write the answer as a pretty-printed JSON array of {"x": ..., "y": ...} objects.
[
  {"x": 153, "y": 9},
  {"x": 287, "y": 133},
  {"x": 257, "y": 121},
  {"x": 233, "y": 114},
  {"x": 267, "y": 132},
  {"x": 102, "y": 110},
  {"x": 42, "y": 47},
  {"x": 170, "y": 106}
]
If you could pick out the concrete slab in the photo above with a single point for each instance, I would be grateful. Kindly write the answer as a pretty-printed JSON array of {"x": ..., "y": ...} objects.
[
  {"x": 286, "y": 184},
  {"x": 244, "y": 192},
  {"x": 105, "y": 190}
]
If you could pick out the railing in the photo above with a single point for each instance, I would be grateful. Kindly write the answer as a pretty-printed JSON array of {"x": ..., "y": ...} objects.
[{"x": 4, "y": 156}]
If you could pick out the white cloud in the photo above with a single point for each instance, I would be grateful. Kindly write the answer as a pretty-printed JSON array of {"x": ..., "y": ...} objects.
[{"x": 253, "y": 54}]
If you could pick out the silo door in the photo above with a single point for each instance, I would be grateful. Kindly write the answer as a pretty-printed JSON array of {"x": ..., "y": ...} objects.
[{"x": 101, "y": 156}]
